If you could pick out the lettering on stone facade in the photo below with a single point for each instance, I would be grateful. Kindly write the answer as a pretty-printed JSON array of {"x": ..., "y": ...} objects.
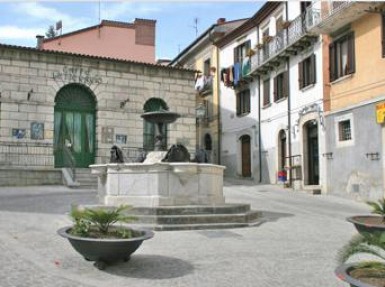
[{"x": 78, "y": 75}]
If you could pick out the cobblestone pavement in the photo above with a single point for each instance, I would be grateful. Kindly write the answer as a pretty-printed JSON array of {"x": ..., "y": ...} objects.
[{"x": 295, "y": 244}]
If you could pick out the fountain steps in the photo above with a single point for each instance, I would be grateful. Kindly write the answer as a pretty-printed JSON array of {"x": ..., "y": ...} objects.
[{"x": 196, "y": 217}]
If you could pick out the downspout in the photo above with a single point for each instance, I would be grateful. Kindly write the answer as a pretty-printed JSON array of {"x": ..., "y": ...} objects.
[
  {"x": 259, "y": 129},
  {"x": 288, "y": 106},
  {"x": 219, "y": 123},
  {"x": 219, "y": 108},
  {"x": 259, "y": 121}
]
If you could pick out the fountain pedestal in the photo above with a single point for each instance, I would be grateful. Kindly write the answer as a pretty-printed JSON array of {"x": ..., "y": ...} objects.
[{"x": 159, "y": 184}]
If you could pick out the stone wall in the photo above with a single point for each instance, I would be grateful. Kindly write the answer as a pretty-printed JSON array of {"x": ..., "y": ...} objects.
[{"x": 30, "y": 80}]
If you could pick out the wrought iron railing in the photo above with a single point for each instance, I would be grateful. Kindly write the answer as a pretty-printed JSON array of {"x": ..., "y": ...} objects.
[
  {"x": 283, "y": 39},
  {"x": 69, "y": 162},
  {"x": 26, "y": 154}
]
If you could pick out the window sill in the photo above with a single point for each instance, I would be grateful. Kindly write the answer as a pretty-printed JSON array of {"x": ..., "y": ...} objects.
[
  {"x": 308, "y": 87},
  {"x": 280, "y": 100},
  {"x": 340, "y": 79},
  {"x": 266, "y": 106},
  {"x": 242, "y": 115}
]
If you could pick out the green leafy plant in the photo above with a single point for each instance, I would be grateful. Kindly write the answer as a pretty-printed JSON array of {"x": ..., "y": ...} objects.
[
  {"x": 378, "y": 207},
  {"x": 96, "y": 222},
  {"x": 370, "y": 243}
]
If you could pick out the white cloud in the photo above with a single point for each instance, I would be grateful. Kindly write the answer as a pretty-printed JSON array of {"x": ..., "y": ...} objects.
[
  {"x": 13, "y": 32},
  {"x": 128, "y": 10}
]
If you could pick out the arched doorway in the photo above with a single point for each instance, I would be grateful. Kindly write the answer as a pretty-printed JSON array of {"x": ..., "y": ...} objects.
[
  {"x": 74, "y": 125},
  {"x": 282, "y": 150},
  {"x": 152, "y": 105},
  {"x": 246, "y": 155},
  {"x": 311, "y": 159}
]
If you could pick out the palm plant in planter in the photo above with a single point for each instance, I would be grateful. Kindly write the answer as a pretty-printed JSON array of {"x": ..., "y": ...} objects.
[
  {"x": 365, "y": 273},
  {"x": 96, "y": 236},
  {"x": 371, "y": 223}
]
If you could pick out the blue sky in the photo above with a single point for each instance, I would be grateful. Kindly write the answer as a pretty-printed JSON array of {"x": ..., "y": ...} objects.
[{"x": 21, "y": 21}]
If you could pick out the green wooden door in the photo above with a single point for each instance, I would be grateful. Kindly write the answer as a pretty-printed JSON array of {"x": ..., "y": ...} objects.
[{"x": 74, "y": 125}]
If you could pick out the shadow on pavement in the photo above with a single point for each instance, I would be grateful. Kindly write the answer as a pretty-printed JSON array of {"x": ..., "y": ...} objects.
[
  {"x": 268, "y": 216},
  {"x": 151, "y": 267}
]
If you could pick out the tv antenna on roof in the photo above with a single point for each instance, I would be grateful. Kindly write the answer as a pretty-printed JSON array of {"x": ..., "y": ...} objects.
[{"x": 196, "y": 26}]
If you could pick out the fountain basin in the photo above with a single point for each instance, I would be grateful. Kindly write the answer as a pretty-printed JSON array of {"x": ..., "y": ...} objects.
[{"x": 159, "y": 184}]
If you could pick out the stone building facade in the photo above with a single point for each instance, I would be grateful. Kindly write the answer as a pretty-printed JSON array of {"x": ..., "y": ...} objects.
[{"x": 53, "y": 100}]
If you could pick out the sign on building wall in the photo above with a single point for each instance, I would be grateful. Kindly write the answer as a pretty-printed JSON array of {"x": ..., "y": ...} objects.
[
  {"x": 37, "y": 131},
  {"x": 107, "y": 135},
  {"x": 380, "y": 113}
]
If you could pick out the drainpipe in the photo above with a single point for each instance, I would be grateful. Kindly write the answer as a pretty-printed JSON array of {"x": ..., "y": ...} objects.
[
  {"x": 219, "y": 108},
  {"x": 259, "y": 129},
  {"x": 288, "y": 106}
]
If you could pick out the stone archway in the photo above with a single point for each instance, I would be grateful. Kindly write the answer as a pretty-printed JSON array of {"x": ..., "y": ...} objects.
[{"x": 74, "y": 125}]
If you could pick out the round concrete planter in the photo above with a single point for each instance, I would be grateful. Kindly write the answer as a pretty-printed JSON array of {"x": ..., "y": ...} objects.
[
  {"x": 342, "y": 273},
  {"x": 367, "y": 223},
  {"x": 105, "y": 251}
]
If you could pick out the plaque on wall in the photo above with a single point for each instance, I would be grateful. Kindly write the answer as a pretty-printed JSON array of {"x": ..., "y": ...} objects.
[
  {"x": 18, "y": 133},
  {"x": 37, "y": 131},
  {"x": 107, "y": 135},
  {"x": 121, "y": 139}
]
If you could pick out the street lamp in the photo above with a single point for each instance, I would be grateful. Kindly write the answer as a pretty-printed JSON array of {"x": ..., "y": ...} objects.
[{"x": 200, "y": 111}]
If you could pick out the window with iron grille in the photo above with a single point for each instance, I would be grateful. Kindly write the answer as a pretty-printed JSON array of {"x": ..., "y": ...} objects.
[
  {"x": 342, "y": 57},
  {"x": 281, "y": 86},
  {"x": 307, "y": 72},
  {"x": 344, "y": 130},
  {"x": 243, "y": 103},
  {"x": 266, "y": 92}
]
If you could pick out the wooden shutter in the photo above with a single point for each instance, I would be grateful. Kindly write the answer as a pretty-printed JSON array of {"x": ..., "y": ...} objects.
[
  {"x": 285, "y": 84},
  {"x": 275, "y": 92},
  {"x": 383, "y": 35},
  {"x": 266, "y": 92},
  {"x": 313, "y": 71},
  {"x": 300, "y": 75},
  {"x": 351, "y": 54},
  {"x": 247, "y": 101},
  {"x": 238, "y": 108},
  {"x": 332, "y": 62}
]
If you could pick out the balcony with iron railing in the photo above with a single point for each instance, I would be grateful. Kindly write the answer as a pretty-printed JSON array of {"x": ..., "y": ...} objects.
[
  {"x": 288, "y": 41},
  {"x": 325, "y": 17}
]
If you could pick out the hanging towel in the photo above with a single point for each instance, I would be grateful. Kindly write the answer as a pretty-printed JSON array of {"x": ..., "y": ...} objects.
[
  {"x": 246, "y": 66},
  {"x": 200, "y": 82},
  {"x": 237, "y": 73}
]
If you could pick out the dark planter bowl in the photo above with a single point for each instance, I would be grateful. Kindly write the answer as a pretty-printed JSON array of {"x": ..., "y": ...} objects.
[
  {"x": 367, "y": 223},
  {"x": 105, "y": 251},
  {"x": 342, "y": 273}
]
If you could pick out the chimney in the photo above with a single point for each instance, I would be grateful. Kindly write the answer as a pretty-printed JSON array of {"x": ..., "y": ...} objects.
[
  {"x": 221, "y": 21},
  {"x": 40, "y": 40}
]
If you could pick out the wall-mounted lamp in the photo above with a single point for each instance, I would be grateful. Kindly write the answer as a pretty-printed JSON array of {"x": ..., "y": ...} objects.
[
  {"x": 29, "y": 94},
  {"x": 123, "y": 103},
  {"x": 373, "y": 155},
  {"x": 328, "y": 155}
]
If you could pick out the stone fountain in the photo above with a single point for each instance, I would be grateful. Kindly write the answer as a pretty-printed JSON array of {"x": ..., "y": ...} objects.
[{"x": 170, "y": 195}]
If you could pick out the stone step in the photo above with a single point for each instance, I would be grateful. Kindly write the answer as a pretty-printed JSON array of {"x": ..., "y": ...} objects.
[
  {"x": 192, "y": 209},
  {"x": 198, "y": 218}
]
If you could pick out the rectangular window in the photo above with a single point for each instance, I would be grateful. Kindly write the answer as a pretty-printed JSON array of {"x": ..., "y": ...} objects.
[
  {"x": 342, "y": 58},
  {"x": 240, "y": 52},
  {"x": 281, "y": 86},
  {"x": 206, "y": 67},
  {"x": 266, "y": 92},
  {"x": 344, "y": 130},
  {"x": 307, "y": 72},
  {"x": 243, "y": 103}
]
